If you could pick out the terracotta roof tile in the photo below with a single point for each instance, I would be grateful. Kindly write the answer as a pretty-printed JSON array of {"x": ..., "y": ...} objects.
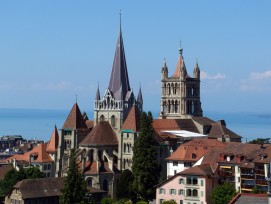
[
  {"x": 75, "y": 119},
  {"x": 132, "y": 122},
  {"x": 194, "y": 149},
  {"x": 39, "y": 151},
  {"x": 161, "y": 125},
  {"x": 53, "y": 143},
  {"x": 218, "y": 131},
  {"x": 200, "y": 170},
  {"x": 101, "y": 134}
]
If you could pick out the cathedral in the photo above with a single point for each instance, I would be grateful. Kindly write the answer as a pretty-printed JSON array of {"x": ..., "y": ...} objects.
[{"x": 104, "y": 146}]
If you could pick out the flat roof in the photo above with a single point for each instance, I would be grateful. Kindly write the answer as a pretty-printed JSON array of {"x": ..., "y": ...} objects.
[{"x": 184, "y": 133}]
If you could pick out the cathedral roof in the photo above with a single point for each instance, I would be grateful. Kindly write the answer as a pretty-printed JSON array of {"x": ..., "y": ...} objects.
[
  {"x": 132, "y": 122},
  {"x": 75, "y": 119},
  {"x": 101, "y": 134},
  {"x": 53, "y": 143},
  {"x": 119, "y": 80},
  {"x": 180, "y": 65}
]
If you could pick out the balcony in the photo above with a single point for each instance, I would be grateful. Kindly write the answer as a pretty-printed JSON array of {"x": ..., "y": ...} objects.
[
  {"x": 261, "y": 182},
  {"x": 247, "y": 176},
  {"x": 226, "y": 173},
  {"x": 259, "y": 171},
  {"x": 247, "y": 186}
]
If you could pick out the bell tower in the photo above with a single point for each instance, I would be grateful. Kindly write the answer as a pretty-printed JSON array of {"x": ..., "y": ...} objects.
[{"x": 180, "y": 93}]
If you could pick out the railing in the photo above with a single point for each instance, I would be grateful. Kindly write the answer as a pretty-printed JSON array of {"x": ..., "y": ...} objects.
[
  {"x": 261, "y": 182},
  {"x": 247, "y": 176},
  {"x": 259, "y": 171},
  {"x": 225, "y": 173},
  {"x": 247, "y": 186}
]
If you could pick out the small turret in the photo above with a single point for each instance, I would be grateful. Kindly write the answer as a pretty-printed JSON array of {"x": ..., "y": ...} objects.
[
  {"x": 140, "y": 99},
  {"x": 196, "y": 71},
  {"x": 164, "y": 70}
]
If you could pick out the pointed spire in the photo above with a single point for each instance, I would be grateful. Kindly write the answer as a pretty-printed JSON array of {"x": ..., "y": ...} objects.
[
  {"x": 75, "y": 119},
  {"x": 180, "y": 64},
  {"x": 97, "y": 98},
  {"x": 139, "y": 96},
  {"x": 119, "y": 76},
  {"x": 53, "y": 143},
  {"x": 196, "y": 70}
]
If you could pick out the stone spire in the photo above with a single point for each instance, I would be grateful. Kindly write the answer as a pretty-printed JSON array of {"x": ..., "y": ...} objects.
[
  {"x": 97, "y": 98},
  {"x": 139, "y": 96},
  {"x": 180, "y": 71},
  {"x": 119, "y": 80},
  {"x": 196, "y": 70}
]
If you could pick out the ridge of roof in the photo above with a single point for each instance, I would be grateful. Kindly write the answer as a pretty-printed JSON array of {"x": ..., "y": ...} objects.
[
  {"x": 101, "y": 134},
  {"x": 75, "y": 119},
  {"x": 53, "y": 143},
  {"x": 132, "y": 121}
]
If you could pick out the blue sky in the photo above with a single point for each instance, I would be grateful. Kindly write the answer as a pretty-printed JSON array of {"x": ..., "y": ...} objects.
[{"x": 51, "y": 51}]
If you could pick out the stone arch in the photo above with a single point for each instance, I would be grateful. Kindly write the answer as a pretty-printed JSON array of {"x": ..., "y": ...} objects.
[
  {"x": 113, "y": 121},
  {"x": 102, "y": 118}
]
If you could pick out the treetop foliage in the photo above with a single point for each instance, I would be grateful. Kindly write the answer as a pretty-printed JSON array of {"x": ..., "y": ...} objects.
[{"x": 223, "y": 193}]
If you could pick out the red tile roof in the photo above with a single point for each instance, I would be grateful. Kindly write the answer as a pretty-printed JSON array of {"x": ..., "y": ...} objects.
[
  {"x": 132, "y": 122},
  {"x": 75, "y": 119},
  {"x": 219, "y": 131},
  {"x": 194, "y": 149},
  {"x": 53, "y": 143},
  {"x": 101, "y": 134},
  {"x": 200, "y": 170},
  {"x": 39, "y": 151}
]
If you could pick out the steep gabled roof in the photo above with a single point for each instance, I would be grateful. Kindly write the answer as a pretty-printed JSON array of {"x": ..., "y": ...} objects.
[
  {"x": 119, "y": 80},
  {"x": 53, "y": 143},
  {"x": 75, "y": 119},
  {"x": 132, "y": 122},
  {"x": 101, "y": 134}
]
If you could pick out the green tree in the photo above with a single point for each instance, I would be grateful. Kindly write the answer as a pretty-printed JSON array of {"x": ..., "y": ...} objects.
[
  {"x": 75, "y": 187},
  {"x": 223, "y": 194},
  {"x": 13, "y": 176},
  {"x": 124, "y": 185},
  {"x": 260, "y": 141},
  {"x": 169, "y": 202},
  {"x": 145, "y": 167}
]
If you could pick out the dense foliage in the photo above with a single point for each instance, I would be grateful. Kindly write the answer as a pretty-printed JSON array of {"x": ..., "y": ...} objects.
[
  {"x": 124, "y": 185},
  {"x": 13, "y": 176},
  {"x": 223, "y": 194},
  {"x": 169, "y": 202},
  {"x": 145, "y": 167},
  {"x": 75, "y": 187},
  {"x": 260, "y": 141}
]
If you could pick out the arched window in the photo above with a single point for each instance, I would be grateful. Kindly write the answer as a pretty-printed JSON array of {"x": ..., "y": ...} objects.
[
  {"x": 105, "y": 185},
  {"x": 113, "y": 121},
  {"x": 188, "y": 192},
  {"x": 90, "y": 155},
  {"x": 89, "y": 181},
  {"x": 194, "y": 156},
  {"x": 195, "y": 193},
  {"x": 101, "y": 118},
  {"x": 124, "y": 148}
]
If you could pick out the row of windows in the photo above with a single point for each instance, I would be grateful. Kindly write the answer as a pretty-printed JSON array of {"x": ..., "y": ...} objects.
[
  {"x": 191, "y": 181},
  {"x": 189, "y": 192},
  {"x": 181, "y": 202}
]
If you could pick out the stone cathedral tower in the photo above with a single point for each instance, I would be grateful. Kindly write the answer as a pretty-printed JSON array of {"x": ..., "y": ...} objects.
[
  {"x": 119, "y": 98},
  {"x": 180, "y": 92}
]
